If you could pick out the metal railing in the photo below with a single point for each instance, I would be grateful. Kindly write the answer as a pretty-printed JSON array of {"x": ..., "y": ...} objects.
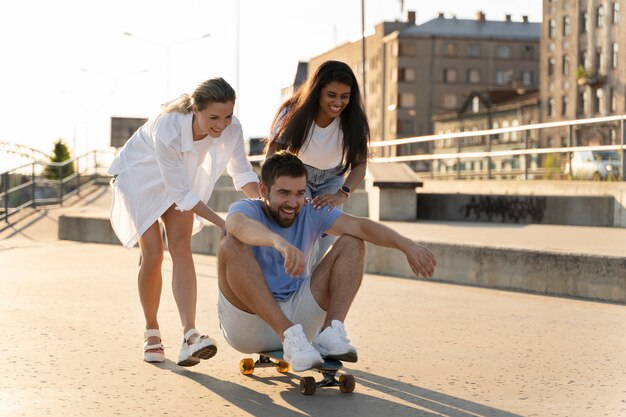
[
  {"x": 41, "y": 183},
  {"x": 526, "y": 146}
]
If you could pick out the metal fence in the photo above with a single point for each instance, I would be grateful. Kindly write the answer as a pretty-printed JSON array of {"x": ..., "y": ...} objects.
[
  {"x": 41, "y": 183},
  {"x": 474, "y": 154},
  {"x": 521, "y": 152}
]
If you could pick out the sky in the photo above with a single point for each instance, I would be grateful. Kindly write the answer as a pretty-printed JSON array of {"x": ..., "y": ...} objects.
[{"x": 67, "y": 65}]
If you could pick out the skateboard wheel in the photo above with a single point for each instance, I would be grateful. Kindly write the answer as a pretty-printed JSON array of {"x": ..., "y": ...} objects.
[
  {"x": 246, "y": 366},
  {"x": 307, "y": 385},
  {"x": 347, "y": 383},
  {"x": 282, "y": 367}
]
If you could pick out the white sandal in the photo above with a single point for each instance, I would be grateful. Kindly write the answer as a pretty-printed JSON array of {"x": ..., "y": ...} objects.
[
  {"x": 153, "y": 356},
  {"x": 202, "y": 348}
]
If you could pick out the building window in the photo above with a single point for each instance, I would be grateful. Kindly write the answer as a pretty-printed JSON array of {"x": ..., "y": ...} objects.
[
  {"x": 551, "y": 28},
  {"x": 503, "y": 51},
  {"x": 581, "y": 102},
  {"x": 584, "y": 22},
  {"x": 527, "y": 78},
  {"x": 600, "y": 17},
  {"x": 550, "y": 66},
  {"x": 406, "y": 126},
  {"x": 613, "y": 101},
  {"x": 563, "y": 105},
  {"x": 598, "y": 58},
  {"x": 406, "y": 100},
  {"x": 615, "y": 14},
  {"x": 475, "y": 104},
  {"x": 565, "y": 65},
  {"x": 473, "y": 50},
  {"x": 449, "y": 101},
  {"x": 515, "y": 135},
  {"x": 550, "y": 107},
  {"x": 449, "y": 49},
  {"x": 528, "y": 52},
  {"x": 597, "y": 101},
  {"x": 473, "y": 76},
  {"x": 615, "y": 57},
  {"x": 566, "y": 26},
  {"x": 406, "y": 49},
  {"x": 449, "y": 75},
  {"x": 406, "y": 74},
  {"x": 504, "y": 77},
  {"x": 582, "y": 58}
]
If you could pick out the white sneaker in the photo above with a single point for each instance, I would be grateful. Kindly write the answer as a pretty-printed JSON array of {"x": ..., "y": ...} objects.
[
  {"x": 298, "y": 351},
  {"x": 333, "y": 343}
]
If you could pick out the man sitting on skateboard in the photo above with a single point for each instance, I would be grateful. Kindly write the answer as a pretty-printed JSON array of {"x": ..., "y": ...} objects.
[{"x": 267, "y": 299}]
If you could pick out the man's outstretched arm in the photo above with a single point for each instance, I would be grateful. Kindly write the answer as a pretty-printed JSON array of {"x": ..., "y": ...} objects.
[
  {"x": 421, "y": 260},
  {"x": 253, "y": 233}
]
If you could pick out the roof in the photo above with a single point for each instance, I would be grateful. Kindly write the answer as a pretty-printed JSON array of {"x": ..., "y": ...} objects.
[
  {"x": 494, "y": 101},
  {"x": 454, "y": 27}
]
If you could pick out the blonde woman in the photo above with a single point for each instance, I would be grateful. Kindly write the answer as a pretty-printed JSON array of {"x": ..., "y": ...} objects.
[{"x": 167, "y": 171}]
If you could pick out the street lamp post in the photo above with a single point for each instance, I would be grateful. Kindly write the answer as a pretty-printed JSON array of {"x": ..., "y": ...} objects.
[{"x": 167, "y": 48}]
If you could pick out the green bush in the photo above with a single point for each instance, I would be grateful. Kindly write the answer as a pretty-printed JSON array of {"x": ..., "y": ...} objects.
[{"x": 61, "y": 153}]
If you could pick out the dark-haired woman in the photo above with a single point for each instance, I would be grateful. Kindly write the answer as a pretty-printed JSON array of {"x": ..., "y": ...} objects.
[{"x": 324, "y": 123}]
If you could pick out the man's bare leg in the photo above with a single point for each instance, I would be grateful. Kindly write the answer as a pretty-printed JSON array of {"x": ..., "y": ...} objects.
[
  {"x": 337, "y": 278},
  {"x": 243, "y": 284}
]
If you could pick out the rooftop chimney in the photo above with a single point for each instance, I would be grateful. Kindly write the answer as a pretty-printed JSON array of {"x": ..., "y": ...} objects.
[
  {"x": 441, "y": 16},
  {"x": 508, "y": 17},
  {"x": 410, "y": 17},
  {"x": 480, "y": 17},
  {"x": 525, "y": 19}
]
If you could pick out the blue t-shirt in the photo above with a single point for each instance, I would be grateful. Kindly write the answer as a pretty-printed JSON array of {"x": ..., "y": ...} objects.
[{"x": 309, "y": 226}]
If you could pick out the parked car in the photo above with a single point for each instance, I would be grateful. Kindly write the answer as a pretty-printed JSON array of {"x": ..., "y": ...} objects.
[{"x": 594, "y": 165}]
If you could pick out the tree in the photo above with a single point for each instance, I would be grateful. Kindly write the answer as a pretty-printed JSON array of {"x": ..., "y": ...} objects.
[{"x": 61, "y": 153}]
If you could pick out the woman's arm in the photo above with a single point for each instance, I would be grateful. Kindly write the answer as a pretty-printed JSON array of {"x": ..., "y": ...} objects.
[
  {"x": 272, "y": 148},
  {"x": 251, "y": 190},
  {"x": 352, "y": 181},
  {"x": 204, "y": 211}
]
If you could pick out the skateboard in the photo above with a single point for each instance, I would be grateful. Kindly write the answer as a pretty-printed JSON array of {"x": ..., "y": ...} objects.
[{"x": 308, "y": 384}]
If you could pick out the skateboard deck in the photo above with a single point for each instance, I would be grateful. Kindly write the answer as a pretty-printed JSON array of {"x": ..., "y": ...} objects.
[{"x": 308, "y": 384}]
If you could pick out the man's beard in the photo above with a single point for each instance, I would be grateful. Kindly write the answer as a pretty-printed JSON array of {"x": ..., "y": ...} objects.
[{"x": 282, "y": 222}]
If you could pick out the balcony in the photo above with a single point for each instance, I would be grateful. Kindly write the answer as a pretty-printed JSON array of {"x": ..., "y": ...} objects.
[{"x": 591, "y": 77}]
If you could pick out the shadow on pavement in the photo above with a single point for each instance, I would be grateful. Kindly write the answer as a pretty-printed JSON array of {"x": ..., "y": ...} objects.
[{"x": 364, "y": 401}]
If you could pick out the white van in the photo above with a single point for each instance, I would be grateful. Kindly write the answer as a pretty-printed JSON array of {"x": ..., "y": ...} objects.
[{"x": 593, "y": 165}]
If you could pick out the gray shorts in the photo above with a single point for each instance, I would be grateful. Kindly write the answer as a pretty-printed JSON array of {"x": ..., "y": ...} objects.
[{"x": 248, "y": 333}]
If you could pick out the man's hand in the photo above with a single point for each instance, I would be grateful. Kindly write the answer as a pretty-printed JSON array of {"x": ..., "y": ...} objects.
[
  {"x": 421, "y": 260},
  {"x": 294, "y": 258}
]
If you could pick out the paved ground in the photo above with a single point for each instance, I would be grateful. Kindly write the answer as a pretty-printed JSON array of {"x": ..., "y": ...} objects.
[{"x": 71, "y": 346}]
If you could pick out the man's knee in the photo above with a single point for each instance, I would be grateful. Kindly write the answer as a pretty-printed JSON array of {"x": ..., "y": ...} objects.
[
  {"x": 229, "y": 247},
  {"x": 351, "y": 244}
]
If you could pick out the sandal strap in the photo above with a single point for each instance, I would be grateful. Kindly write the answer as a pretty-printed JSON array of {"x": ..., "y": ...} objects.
[
  {"x": 190, "y": 333},
  {"x": 151, "y": 333},
  {"x": 155, "y": 346}
]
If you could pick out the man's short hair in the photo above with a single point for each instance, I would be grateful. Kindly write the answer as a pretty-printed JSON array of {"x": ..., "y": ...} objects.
[{"x": 282, "y": 163}]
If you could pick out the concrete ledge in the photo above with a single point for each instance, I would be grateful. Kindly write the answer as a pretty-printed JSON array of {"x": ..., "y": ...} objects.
[
  {"x": 548, "y": 209},
  {"x": 92, "y": 226},
  {"x": 601, "y": 278},
  {"x": 591, "y": 277}
]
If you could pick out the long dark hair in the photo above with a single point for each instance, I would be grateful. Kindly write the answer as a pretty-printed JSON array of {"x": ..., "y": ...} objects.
[{"x": 296, "y": 116}]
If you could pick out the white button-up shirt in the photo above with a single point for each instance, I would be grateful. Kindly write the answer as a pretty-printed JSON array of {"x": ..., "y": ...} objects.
[{"x": 159, "y": 167}]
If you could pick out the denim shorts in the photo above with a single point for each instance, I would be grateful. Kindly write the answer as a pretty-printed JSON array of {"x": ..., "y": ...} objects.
[{"x": 322, "y": 181}]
